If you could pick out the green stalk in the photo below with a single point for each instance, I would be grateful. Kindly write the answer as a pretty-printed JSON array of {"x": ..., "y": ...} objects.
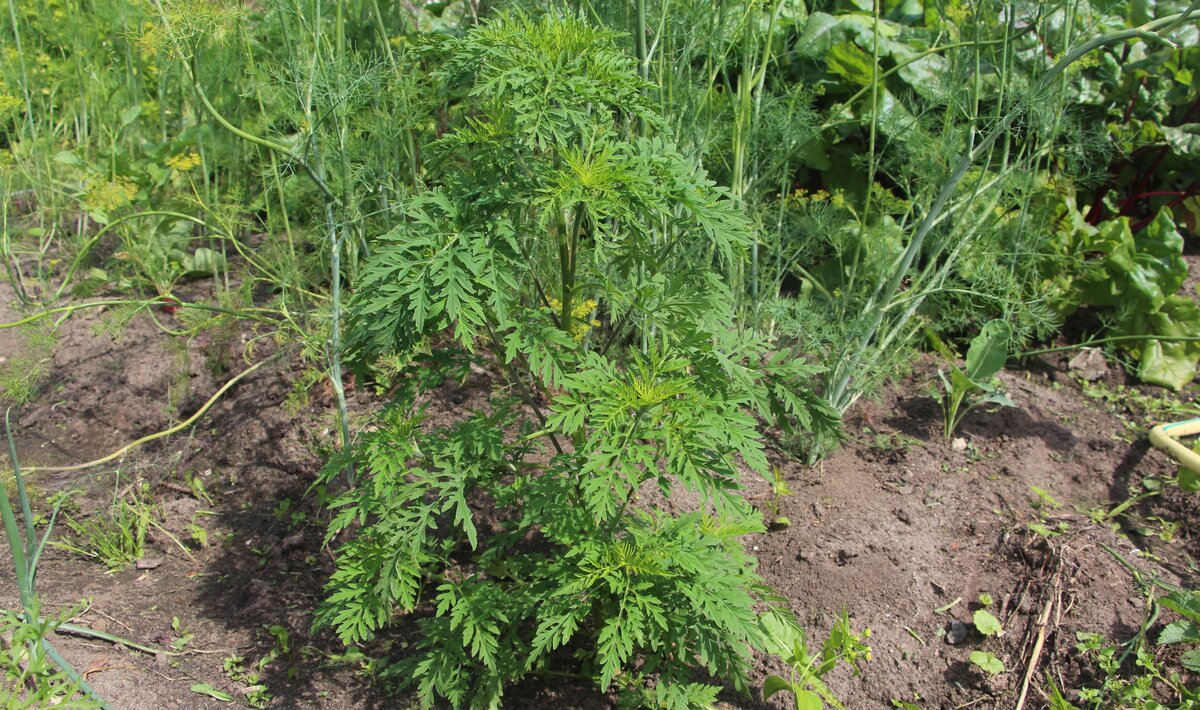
[
  {"x": 25, "y": 567},
  {"x": 16, "y": 545},
  {"x": 23, "y": 496},
  {"x": 315, "y": 171},
  {"x": 172, "y": 430},
  {"x": 12, "y": 14},
  {"x": 245, "y": 314},
  {"x": 643, "y": 56},
  {"x": 871, "y": 150}
]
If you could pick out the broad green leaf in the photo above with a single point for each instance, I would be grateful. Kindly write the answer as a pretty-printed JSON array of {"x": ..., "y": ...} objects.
[
  {"x": 815, "y": 154},
  {"x": 987, "y": 624},
  {"x": 908, "y": 11},
  {"x": 960, "y": 382},
  {"x": 808, "y": 700},
  {"x": 988, "y": 351},
  {"x": 987, "y": 662},
  {"x": 998, "y": 398},
  {"x": 851, "y": 63},
  {"x": 203, "y": 262},
  {"x": 1139, "y": 271},
  {"x": 1141, "y": 11},
  {"x": 1184, "y": 140},
  {"x": 130, "y": 114},
  {"x": 1189, "y": 480},
  {"x": 68, "y": 157},
  {"x": 773, "y": 684},
  {"x": 1170, "y": 364},
  {"x": 817, "y": 37},
  {"x": 924, "y": 75}
]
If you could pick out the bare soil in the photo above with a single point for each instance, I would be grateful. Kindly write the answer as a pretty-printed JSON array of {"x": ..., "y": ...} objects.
[{"x": 901, "y": 529}]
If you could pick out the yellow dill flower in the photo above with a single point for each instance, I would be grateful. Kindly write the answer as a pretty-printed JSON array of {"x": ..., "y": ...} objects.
[
  {"x": 9, "y": 105},
  {"x": 959, "y": 13},
  {"x": 105, "y": 195},
  {"x": 184, "y": 161},
  {"x": 151, "y": 40}
]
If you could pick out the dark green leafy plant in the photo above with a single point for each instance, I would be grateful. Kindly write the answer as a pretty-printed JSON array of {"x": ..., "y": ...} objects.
[
  {"x": 556, "y": 244},
  {"x": 1137, "y": 277}
]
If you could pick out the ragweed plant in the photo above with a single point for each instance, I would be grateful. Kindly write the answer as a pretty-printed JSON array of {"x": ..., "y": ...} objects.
[{"x": 559, "y": 243}]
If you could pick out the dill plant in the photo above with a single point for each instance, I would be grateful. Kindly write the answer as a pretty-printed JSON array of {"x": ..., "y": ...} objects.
[{"x": 561, "y": 241}]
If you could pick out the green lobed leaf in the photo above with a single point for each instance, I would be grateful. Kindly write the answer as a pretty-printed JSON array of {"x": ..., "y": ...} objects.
[
  {"x": 987, "y": 624},
  {"x": 987, "y": 662},
  {"x": 1186, "y": 604}
]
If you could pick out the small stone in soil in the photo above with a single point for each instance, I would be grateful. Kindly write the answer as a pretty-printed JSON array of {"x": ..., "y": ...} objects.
[
  {"x": 903, "y": 516},
  {"x": 959, "y": 444},
  {"x": 1089, "y": 364},
  {"x": 147, "y": 563},
  {"x": 957, "y": 633}
]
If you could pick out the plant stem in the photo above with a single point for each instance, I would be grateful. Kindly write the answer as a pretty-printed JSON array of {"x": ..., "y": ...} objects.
[
  {"x": 1110, "y": 339},
  {"x": 243, "y": 314},
  {"x": 166, "y": 432}
]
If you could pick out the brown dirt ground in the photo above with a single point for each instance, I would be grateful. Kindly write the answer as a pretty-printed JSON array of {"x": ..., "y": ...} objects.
[{"x": 892, "y": 529}]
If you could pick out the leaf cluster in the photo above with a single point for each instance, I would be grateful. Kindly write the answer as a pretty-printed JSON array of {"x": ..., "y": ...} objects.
[{"x": 562, "y": 243}]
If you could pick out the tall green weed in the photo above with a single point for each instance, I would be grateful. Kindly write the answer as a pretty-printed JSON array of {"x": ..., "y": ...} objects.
[{"x": 561, "y": 241}]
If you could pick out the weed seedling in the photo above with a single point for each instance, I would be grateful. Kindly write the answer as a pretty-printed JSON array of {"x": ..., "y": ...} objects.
[
  {"x": 787, "y": 642},
  {"x": 182, "y": 636},
  {"x": 116, "y": 536},
  {"x": 974, "y": 385},
  {"x": 987, "y": 662},
  {"x": 779, "y": 489}
]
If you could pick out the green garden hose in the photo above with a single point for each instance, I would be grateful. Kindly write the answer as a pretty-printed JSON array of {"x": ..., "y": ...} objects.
[{"x": 1165, "y": 437}]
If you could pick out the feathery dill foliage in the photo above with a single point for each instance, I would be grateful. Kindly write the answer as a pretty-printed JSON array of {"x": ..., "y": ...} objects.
[{"x": 559, "y": 241}]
